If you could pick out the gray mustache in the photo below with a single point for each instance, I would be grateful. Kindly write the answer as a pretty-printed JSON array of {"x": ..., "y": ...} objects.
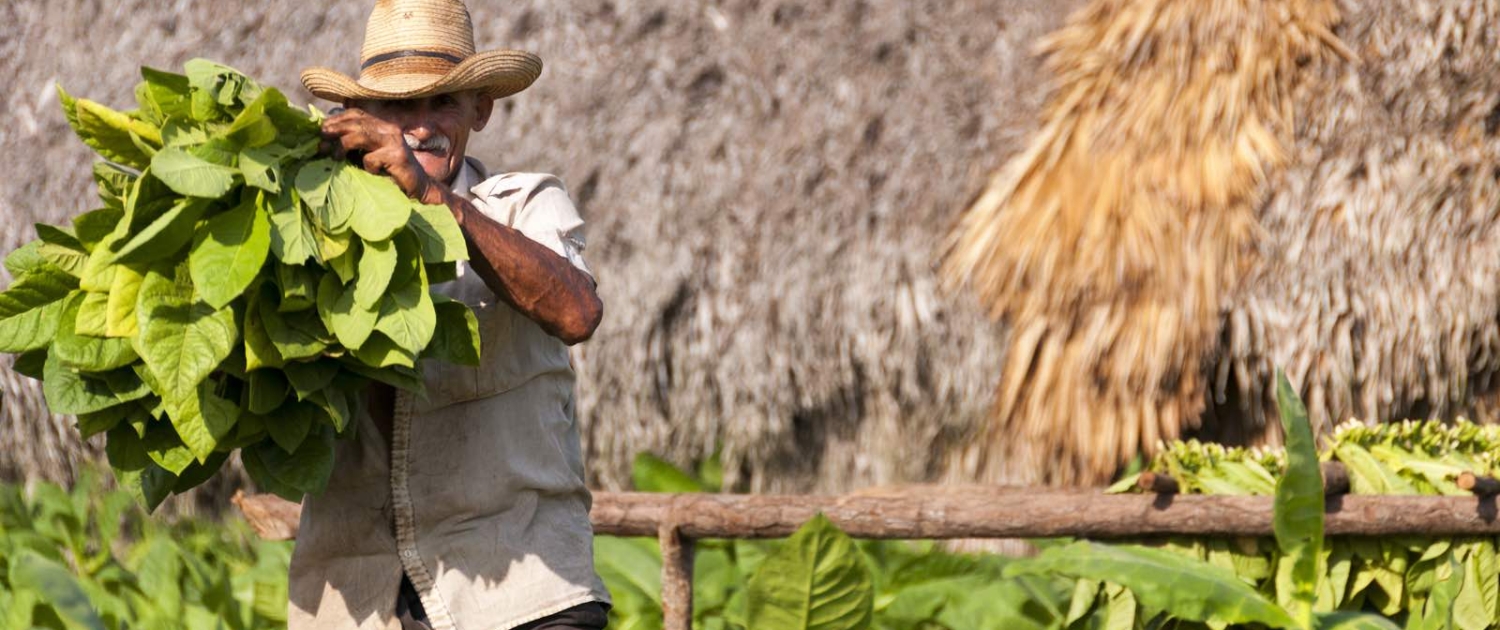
[{"x": 437, "y": 143}]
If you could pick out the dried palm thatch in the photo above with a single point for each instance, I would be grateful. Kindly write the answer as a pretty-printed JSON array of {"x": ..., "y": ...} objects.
[
  {"x": 1111, "y": 244},
  {"x": 1379, "y": 283}
]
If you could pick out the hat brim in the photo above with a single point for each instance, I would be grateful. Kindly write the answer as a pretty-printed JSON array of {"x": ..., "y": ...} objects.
[{"x": 494, "y": 74}]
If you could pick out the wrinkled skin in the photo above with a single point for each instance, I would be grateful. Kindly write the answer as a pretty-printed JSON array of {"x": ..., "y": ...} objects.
[{"x": 528, "y": 276}]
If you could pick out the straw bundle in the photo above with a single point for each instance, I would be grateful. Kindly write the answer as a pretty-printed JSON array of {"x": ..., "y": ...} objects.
[{"x": 1111, "y": 244}]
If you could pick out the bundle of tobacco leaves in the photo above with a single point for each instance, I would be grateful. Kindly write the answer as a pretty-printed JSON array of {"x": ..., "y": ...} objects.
[{"x": 234, "y": 291}]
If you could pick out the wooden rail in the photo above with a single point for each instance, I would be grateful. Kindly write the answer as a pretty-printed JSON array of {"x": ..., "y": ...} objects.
[{"x": 679, "y": 519}]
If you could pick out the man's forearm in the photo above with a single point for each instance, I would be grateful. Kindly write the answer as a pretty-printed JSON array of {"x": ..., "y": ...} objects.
[{"x": 533, "y": 279}]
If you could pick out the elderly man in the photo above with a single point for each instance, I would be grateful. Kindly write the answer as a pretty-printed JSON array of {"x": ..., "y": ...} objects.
[{"x": 466, "y": 508}]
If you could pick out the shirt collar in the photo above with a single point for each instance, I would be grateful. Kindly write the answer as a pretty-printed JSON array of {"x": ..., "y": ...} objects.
[{"x": 471, "y": 174}]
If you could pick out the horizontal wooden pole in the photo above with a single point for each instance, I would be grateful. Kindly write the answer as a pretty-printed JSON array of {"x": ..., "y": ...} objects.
[
  {"x": 995, "y": 513},
  {"x": 1035, "y": 514}
]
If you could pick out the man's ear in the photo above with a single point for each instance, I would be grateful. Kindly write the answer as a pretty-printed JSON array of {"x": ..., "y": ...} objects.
[{"x": 483, "y": 108}]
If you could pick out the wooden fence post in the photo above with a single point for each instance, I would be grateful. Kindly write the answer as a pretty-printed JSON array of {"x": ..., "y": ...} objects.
[{"x": 676, "y": 577}]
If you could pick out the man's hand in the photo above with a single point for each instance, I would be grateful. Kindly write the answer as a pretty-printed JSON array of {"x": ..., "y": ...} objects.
[{"x": 381, "y": 149}]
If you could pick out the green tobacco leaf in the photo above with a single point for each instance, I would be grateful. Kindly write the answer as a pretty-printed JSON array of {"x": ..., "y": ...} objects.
[
  {"x": 398, "y": 377},
  {"x": 1353, "y": 621},
  {"x": 57, "y": 587},
  {"x": 184, "y": 344},
  {"x": 203, "y": 419},
  {"x": 332, "y": 248},
  {"x": 292, "y": 238},
  {"x": 307, "y": 469},
  {"x": 307, "y": 378},
  {"x": 376, "y": 265},
  {"x": 380, "y": 352},
  {"x": 375, "y": 207},
  {"x": 31, "y": 363},
  {"x": 197, "y": 473},
  {"x": 93, "y": 226},
  {"x": 91, "y": 424},
  {"x": 440, "y": 273},
  {"x": 267, "y": 390},
  {"x": 261, "y": 167},
  {"x": 192, "y": 176},
  {"x": 217, "y": 91},
  {"x": 290, "y": 425},
  {"x": 339, "y": 402},
  {"x": 457, "y": 337},
  {"x": 1470, "y": 610},
  {"x": 1161, "y": 580},
  {"x": 228, "y": 255},
  {"x": 92, "y": 315},
  {"x": 68, "y": 392},
  {"x": 127, "y": 384},
  {"x": 299, "y": 288},
  {"x": 57, "y": 236},
  {"x": 1438, "y": 612},
  {"x": 114, "y": 183},
  {"x": 295, "y": 335},
  {"x": 166, "y": 93},
  {"x": 313, "y": 182},
  {"x": 227, "y": 86},
  {"x": 90, "y": 354},
  {"x": 817, "y": 580},
  {"x": 1367, "y": 475},
  {"x": 439, "y": 234},
  {"x": 252, "y": 128},
  {"x": 1298, "y": 512},
  {"x": 166, "y": 449},
  {"x": 109, "y": 132},
  {"x": 121, "y": 319},
  {"x": 31, "y": 308},
  {"x": 346, "y": 265},
  {"x": 408, "y": 317},
  {"x": 164, "y": 236},
  {"x": 72, "y": 261},
  {"x": 182, "y": 134},
  {"x": 654, "y": 474},
  {"x": 631, "y": 567},
  {"x": 134, "y": 470},
  {"x": 24, "y": 259},
  {"x": 341, "y": 313},
  {"x": 260, "y": 351}
]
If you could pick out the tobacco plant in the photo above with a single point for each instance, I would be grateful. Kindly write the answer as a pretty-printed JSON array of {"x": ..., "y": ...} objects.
[{"x": 232, "y": 291}]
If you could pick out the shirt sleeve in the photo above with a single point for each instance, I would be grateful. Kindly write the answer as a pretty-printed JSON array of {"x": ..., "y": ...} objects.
[{"x": 537, "y": 206}]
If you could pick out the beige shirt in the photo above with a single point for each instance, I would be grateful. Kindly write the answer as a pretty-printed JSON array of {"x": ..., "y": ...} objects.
[{"x": 480, "y": 498}]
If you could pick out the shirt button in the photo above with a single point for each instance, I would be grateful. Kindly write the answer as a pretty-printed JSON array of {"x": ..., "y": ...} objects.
[{"x": 408, "y": 553}]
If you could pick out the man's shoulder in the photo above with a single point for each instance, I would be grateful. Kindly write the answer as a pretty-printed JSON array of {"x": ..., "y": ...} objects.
[{"x": 516, "y": 185}]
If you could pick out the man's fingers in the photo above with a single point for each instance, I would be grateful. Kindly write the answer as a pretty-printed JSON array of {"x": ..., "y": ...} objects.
[{"x": 376, "y": 162}]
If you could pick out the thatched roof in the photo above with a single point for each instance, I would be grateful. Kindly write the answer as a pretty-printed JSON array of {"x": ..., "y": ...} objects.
[
  {"x": 767, "y": 185},
  {"x": 1370, "y": 269}
]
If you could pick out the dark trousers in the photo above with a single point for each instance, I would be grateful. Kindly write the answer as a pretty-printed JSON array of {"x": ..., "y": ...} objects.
[{"x": 590, "y": 616}]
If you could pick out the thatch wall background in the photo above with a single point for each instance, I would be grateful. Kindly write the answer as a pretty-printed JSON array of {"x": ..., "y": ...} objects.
[
  {"x": 766, "y": 182},
  {"x": 1378, "y": 287}
]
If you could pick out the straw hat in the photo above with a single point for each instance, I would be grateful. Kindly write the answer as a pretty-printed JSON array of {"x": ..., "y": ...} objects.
[{"x": 419, "y": 48}]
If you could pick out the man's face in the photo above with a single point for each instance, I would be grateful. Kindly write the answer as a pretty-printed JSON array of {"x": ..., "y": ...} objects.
[{"x": 437, "y": 128}]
